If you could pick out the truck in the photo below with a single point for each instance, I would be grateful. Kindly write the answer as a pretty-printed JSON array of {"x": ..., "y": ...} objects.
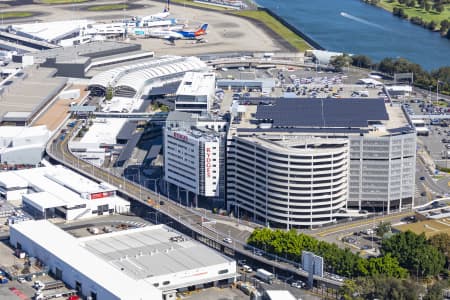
[
  {"x": 265, "y": 276},
  {"x": 44, "y": 286}
]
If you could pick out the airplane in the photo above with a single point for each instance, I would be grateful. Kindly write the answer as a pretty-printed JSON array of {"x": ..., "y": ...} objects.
[
  {"x": 155, "y": 17},
  {"x": 144, "y": 32},
  {"x": 172, "y": 35}
]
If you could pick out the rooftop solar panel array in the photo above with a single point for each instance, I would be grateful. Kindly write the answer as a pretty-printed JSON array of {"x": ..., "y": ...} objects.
[
  {"x": 323, "y": 112},
  {"x": 167, "y": 89}
]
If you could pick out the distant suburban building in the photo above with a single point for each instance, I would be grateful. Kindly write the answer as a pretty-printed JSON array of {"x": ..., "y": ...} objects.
[
  {"x": 148, "y": 263},
  {"x": 305, "y": 162},
  {"x": 195, "y": 93}
]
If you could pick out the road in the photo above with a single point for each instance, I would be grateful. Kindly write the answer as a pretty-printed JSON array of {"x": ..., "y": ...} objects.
[{"x": 200, "y": 223}]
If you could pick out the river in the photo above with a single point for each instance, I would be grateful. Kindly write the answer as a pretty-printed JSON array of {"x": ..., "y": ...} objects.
[{"x": 352, "y": 26}]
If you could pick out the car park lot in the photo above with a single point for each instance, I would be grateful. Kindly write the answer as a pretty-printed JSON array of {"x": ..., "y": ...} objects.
[{"x": 307, "y": 83}]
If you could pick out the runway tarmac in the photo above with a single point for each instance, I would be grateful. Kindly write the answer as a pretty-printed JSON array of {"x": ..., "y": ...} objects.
[{"x": 225, "y": 33}]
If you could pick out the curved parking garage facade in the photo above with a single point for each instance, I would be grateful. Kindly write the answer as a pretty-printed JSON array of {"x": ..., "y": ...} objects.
[
  {"x": 309, "y": 162},
  {"x": 288, "y": 181}
]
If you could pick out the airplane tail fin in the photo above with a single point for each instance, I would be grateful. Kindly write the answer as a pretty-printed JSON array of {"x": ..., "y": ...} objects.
[
  {"x": 167, "y": 8},
  {"x": 202, "y": 29}
]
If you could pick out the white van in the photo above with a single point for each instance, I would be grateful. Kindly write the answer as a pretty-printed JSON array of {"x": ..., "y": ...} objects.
[{"x": 247, "y": 269}]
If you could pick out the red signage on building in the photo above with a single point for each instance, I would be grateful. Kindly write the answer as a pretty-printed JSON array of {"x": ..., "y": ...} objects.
[
  {"x": 208, "y": 162},
  {"x": 180, "y": 136},
  {"x": 101, "y": 195}
]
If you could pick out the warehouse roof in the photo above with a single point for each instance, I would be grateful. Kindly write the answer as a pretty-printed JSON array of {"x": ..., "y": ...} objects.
[
  {"x": 11, "y": 180},
  {"x": 26, "y": 94},
  {"x": 50, "y": 31},
  {"x": 323, "y": 112},
  {"x": 146, "y": 252},
  {"x": 68, "y": 249},
  {"x": 44, "y": 200},
  {"x": 279, "y": 295}
]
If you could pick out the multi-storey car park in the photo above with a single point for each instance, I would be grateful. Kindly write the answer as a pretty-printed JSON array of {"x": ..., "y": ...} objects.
[{"x": 307, "y": 162}]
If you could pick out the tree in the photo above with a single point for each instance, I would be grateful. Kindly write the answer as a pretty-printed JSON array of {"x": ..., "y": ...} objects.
[
  {"x": 361, "y": 61},
  {"x": 380, "y": 287},
  {"x": 414, "y": 253},
  {"x": 383, "y": 228},
  {"x": 427, "y": 6},
  {"x": 109, "y": 93},
  {"x": 441, "y": 242},
  {"x": 439, "y": 7},
  {"x": 435, "y": 291},
  {"x": 339, "y": 62},
  {"x": 432, "y": 25}
]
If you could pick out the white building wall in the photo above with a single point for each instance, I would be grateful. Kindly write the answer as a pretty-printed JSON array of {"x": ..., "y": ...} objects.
[
  {"x": 14, "y": 195},
  {"x": 69, "y": 275},
  {"x": 27, "y": 155},
  {"x": 186, "y": 278},
  {"x": 212, "y": 169},
  {"x": 181, "y": 165}
]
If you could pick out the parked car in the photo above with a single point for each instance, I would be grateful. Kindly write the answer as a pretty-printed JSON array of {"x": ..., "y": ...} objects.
[{"x": 228, "y": 240}]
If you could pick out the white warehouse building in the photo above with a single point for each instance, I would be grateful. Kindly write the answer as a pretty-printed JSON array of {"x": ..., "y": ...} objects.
[
  {"x": 56, "y": 191},
  {"x": 148, "y": 263},
  {"x": 196, "y": 92},
  {"x": 23, "y": 145}
]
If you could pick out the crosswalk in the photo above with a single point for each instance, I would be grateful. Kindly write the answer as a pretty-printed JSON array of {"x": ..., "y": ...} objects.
[{"x": 134, "y": 224}]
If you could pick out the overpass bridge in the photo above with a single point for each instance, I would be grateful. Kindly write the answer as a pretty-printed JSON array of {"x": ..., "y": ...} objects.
[
  {"x": 253, "y": 62},
  {"x": 159, "y": 117}
]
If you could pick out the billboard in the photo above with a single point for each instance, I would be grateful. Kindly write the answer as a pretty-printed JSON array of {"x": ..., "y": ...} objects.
[{"x": 312, "y": 263}]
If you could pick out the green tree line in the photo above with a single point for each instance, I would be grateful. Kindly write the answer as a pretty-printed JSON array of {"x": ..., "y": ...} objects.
[
  {"x": 422, "y": 78},
  {"x": 401, "y": 253},
  {"x": 434, "y": 7}
]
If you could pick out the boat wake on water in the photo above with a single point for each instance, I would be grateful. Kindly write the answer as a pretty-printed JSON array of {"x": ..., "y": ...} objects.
[{"x": 349, "y": 16}]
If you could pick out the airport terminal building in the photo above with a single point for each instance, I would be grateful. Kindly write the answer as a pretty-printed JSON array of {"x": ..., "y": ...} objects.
[{"x": 308, "y": 162}]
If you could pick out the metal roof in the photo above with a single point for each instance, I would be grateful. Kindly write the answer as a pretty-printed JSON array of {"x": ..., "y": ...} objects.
[
  {"x": 148, "y": 252},
  {"x": 323, "y": 112},
  {"x": 127, "y": 151},
  {"x": 138, "y": 75},
  {"x": 164, "y": 69},
  {"x": 76, "y": 256},
  {"x": 153, "y": 152},
  {"x": 127, "y": 130}
]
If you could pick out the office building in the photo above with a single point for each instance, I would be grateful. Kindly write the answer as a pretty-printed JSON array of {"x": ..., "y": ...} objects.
[
  {"x": 195, "y": 93},
  {"x": 194, "y": 162}
]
